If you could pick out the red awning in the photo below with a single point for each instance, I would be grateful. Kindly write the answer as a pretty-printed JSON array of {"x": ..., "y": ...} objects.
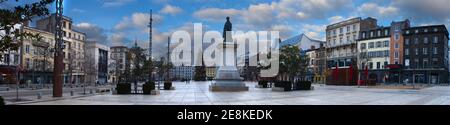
[
  {"x": 8, "y": 69},
  {"x": 394, "y": 66}
]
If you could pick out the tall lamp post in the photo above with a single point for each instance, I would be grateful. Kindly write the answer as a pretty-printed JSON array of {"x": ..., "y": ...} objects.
[{"x": 59, "y": 46}]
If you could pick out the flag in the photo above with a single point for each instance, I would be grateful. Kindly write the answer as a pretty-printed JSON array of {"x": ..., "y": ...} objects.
[
  {"x": 336, "y": 73},
  {"x": 350, "y": 73},
  {"x": 366, "y": 73}
]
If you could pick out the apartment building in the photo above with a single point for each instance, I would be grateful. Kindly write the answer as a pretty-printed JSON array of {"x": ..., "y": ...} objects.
[
  {"x": 374, "y": 54},
  {"x": 74, "y": 47},
  {"x": 341, "y": 48},
  {"x": 426, "y": 54}
]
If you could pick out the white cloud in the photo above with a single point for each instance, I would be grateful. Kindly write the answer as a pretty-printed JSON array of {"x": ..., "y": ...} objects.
[
  {"x": 114, "y": 3},
  {"x": 423, "y": 10},
  {"x": 137, "y": 21},
  {"x": 93, "y": 32},
  {"x": 335, "y": 19},
  {"x": 374, "y": 10},
  {"x": 302, "y": 15},
  {"x": 118, "y": 39},
  {"x": 312, "y": 9},
  {"x": 216, "y": 14},
  {"x": 284, "y": 30},
  {"x": 173, "y": 10},
  {"x": 314, "y": 31}
]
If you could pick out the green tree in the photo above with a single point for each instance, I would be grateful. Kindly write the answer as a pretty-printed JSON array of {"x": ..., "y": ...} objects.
[
  {"x": 292, "y": 62},
  {"x": 11, "y": 17},
  {"x": 138, "y": 59}
]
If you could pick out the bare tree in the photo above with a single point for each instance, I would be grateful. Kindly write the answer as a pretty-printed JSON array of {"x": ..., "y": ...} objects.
[{"x": 90, "y": 66}]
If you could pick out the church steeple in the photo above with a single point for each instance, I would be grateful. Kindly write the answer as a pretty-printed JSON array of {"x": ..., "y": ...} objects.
[{"x": 135, "y": 42}]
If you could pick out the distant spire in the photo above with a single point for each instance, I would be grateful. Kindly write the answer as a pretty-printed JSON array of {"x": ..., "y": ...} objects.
[{"x": 135, "y": 41}]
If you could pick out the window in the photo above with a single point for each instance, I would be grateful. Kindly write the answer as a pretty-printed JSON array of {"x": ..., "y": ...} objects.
[
  {"x": 416, "y": 51},
  {"x": 354, "y": 37},
  {"x": 363, "y": 35},
  {"x": 435, "y": 29},
  {"x": 385, "y": 64},
  {"x": 70, "y": 35},
  {"x": 341, "y": 63},
  {"x": 425, "y": 51},
  {"x": 379, "y": 33},
  {"x": 70, "y": 26},
  {"x": 396, "y": 45},
  {"x": 406, "y": 52},
  {"x": 425, "y": 30},
  {"x": 371, "y": 45},
  {"x": 363, "y": 46},
  {"x": 386, "y": 43},
  {"x": 425, "y": 63},
  {"x": 348, "y": 62},
  {"x": 371, "y": 34},
  {"x": 348, "y": 28},
  {"x": 425, "y": 40},
  {"x": 354, "y": 27},
  {"x": 341, "y": 30},
  {"x": 386, "y": 32},
  {"x": 435, "y": 50},
  {"x": 64, "y": 24},
  {"x": 64, "y": 33},
  {"x": 396, "y": 54},
  {"x": 407, "y": 31},
  {"x": 348, "y": 39},
  {"x": 436, "y": 39},
  {"x": 370, "y": 65},
  {"x": 406, "y": 41},
  {"x": 27, "y": 48},
  {"x": 416, "y": 41},
  {"x": 397, "y": 37},
  {"x": 435, "y": 60},
  {"x": 340, "y": 40},
  {"x": 416, "y": 31},
  {"x": 27, "y": 63},
  {"x": 378, "y": 65},
  {"x": 379, "y": 44},
  {"x": 416, "y": 62},
  {"x": 334, "y": 32}
]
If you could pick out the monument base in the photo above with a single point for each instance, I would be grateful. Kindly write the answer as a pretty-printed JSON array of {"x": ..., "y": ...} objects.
[
  {"x": 227, "y": 88},
  {"x": 228, "y": 80}
]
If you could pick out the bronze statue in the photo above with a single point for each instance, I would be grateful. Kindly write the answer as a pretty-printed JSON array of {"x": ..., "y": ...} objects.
[{"x": 226, "y": 28}]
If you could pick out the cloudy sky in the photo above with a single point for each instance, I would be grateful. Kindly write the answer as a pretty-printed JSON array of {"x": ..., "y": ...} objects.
[{"x": 119, "y": 22}]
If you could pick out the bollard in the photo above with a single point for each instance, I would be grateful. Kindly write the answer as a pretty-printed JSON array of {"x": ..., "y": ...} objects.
[
  {"x": 71, "y": 92},
  {"x": 39, "y": 95},
  {"x": 90, "y": 91}
]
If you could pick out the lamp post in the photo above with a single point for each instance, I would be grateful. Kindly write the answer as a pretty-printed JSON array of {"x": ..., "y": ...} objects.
[{"x": 59, "y": 46}]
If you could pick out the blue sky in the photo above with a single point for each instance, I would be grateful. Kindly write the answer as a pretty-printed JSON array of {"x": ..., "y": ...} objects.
[{"x": 119, "y": 22}]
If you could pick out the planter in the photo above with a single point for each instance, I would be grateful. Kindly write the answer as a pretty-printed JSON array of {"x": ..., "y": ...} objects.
[
  {"x": 148, "y": 87},
  {"x": 286, "y": 85},
  {"x": 123, "y": 88},
  {"x": 263, "y": 84},
  {"x": 303, "y": 85},
  {"x": 168, "y": 85},
  {"x": 2, "y": 101}
]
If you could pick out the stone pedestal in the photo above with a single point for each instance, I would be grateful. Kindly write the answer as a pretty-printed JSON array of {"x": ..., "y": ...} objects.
[{"x": 227, "y": 76}]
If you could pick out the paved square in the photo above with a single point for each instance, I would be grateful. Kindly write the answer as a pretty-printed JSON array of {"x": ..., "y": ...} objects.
[{"x": 197, "y": 93}]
